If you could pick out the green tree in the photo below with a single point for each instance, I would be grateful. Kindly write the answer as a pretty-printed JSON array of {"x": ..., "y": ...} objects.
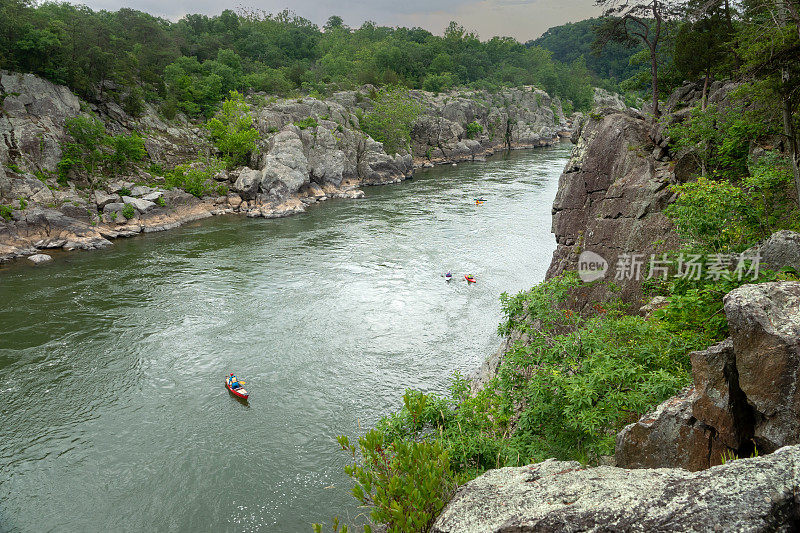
[
  {"x": 391, "y": 118},
  {"x": 629, "y": 22},
  {"x": 232, "y": 130}
]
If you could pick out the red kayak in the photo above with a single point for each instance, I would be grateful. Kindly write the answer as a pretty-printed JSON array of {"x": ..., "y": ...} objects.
[
  {"x": 239, "y": 391},
  {"x": 470, "y": 279}
]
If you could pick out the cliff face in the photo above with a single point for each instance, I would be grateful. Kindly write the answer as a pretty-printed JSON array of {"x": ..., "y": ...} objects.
[
  {"x": 744, "y": 398},
  {"x": 610, "y": 198},
  {"x": 299, "y": 162},
  {"x": 745, "y": 394}
]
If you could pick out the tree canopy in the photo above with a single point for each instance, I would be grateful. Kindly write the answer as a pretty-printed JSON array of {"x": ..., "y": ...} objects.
[{"x": 190, "y": 65}]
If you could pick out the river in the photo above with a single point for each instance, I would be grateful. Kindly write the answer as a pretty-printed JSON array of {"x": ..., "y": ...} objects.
[{"x": 113, "y": 412}]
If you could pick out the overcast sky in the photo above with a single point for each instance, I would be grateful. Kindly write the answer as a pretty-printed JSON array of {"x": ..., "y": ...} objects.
[{"x": 523, "y": 19}]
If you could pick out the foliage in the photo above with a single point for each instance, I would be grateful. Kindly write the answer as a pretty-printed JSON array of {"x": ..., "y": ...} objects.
[
  {"x": 473, "y": 130},
  {"x": 92, "y": 151},
  {"x": 439, "y": 82},
  {"x": 405, "y": 482},
  {"x": 719, "y": 139},
  {"x": 232, "y": 130},
  {"x": 128, "y": 211},
  {"x": 701, "y": 46},
  {"x": 23, "y": 204},
  {"x": 192, "y": 64},
  {"x": 391, "y": 118},
  {"x": 196, "y": 178},
  {"x": 573, "y": 40},
  {"x": 5, "y": 211},
  {"x": 721, "y": 216},
  {"x": 307, "y": 123}
]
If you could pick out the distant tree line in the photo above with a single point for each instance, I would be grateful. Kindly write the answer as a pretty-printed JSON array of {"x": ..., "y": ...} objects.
[{"x": 190, "y": 65}]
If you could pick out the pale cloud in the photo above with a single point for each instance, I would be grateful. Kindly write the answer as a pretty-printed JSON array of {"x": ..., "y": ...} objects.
[{"x": 522, "y": 19}]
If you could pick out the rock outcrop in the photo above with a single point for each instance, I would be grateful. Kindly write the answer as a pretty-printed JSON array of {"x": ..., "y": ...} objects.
[
  {"x": 610, "y": 200},
  {"x": 745, "y": 394},
  {"x": 614, "y": 189},
  {"x": 510, "y": 119},
  {"x": 781, "y": 250},
  {"x": 759, "y": 494},
  {"x": 602, "y": 99},
  {"x": 309, "y": 150}
]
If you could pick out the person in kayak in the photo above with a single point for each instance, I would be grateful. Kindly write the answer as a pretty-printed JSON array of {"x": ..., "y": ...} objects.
[
  {"x": 448, "y": 275},
  {"x": 235, "y": 382}
]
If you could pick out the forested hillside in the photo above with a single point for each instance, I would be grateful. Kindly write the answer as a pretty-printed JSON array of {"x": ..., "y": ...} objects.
[
  {"x": 573, "y": 40},
  {"x": 191, "y": 64}
]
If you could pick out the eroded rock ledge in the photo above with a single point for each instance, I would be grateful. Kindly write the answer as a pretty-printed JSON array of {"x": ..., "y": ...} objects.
[{"x": 759, "y": 494}]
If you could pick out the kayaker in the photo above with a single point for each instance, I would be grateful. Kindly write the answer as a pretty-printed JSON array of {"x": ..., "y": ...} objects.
[
  {"x": 448, "y": 275},
  {"x": 234, "y": 382}
]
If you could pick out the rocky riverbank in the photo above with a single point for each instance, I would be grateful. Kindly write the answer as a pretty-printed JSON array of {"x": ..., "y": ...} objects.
[
  {"x": 671, "y": 472},
  {"x": 309, "y": 150}
]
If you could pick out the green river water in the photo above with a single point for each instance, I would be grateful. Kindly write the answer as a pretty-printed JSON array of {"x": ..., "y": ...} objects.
[{"x": 113, "y": 412}]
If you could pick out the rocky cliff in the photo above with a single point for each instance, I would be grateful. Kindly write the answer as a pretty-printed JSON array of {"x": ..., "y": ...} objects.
[
  {"x": 744, "y": 401},
  {"x": 745, "y": 394},
  {"x": 309, "y": 150},
  {"x": 613, "y": 191}
]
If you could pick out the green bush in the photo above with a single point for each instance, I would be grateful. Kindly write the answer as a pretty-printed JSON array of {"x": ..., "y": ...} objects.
[
  {"x": 721, "y": 215},
  {"x": 391, "y": 118},
  {"x": 196, "y": 178},
  {"x": 5, "y": 211},
  {"x": 473, "y": 130},
  {"x": 270, "y": 81},
  {"x": 125, "y": 151},
  {"x": 307, "y": 123},
  {"x": 405, "y": 482},
  {"x": 232, "y": 130},
  {"x": 437, "y": 83},
  {"x": 128, "y": 211},
  {"x": 133, "y": 103},
  {"x": 719, "y": 140},
  {"x": 92, "y": 151}
]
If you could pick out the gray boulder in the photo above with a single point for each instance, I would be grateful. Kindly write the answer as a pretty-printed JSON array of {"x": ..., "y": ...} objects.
[
  {"x": 285, "y": 166},
  {"x": 139, "y": 204},
  {"x": 247, "y": 183},
  {"x": 153, "y": 196},
  {"x": 113, "y": 207},
  {"x": 669, "y": 436},
  {"x": 37, "y": 259},
  {"x": 102, "y": 198},
  {"x": 604, "y": 100},
  {"x": 759, "y": 494},
  {"x": 764, "y": 321},
  {"x": 780, "y": 250},
  {"x": 140, "y": 190}
]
